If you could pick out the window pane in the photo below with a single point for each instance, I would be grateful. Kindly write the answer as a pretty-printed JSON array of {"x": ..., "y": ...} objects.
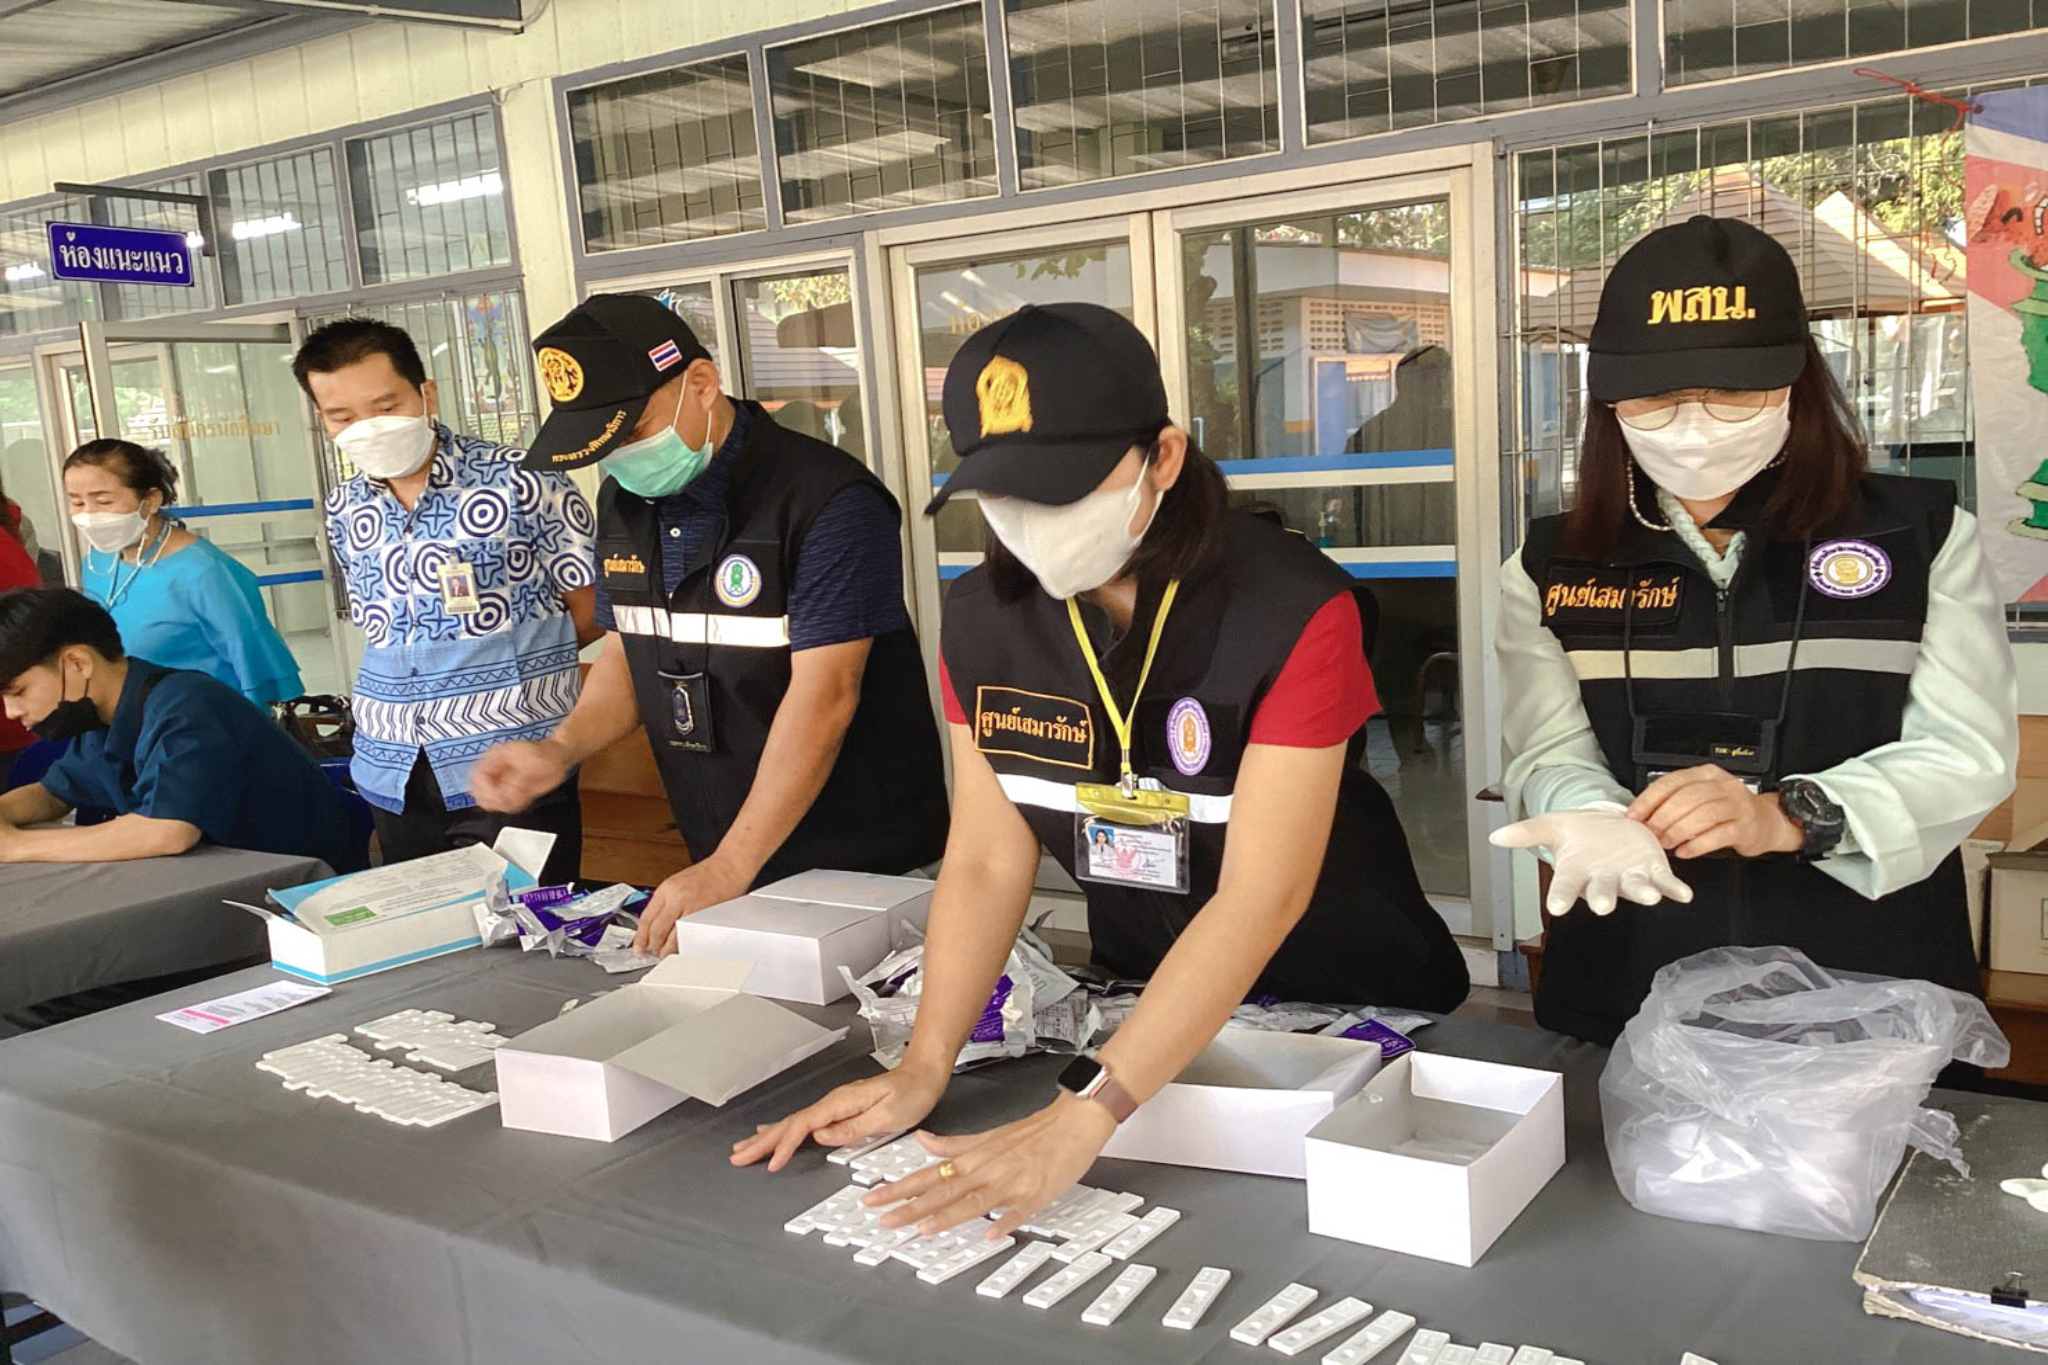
[
  {"x": 31, "y": 299},
  {"x": 280, "y": 227},
  {"x": 1708, "y": 40},
  {"x": 883, "y": 117},
  {"x": 667, "y": 157},
  {"x": 1867, "y": 198},
  {"x": 1320, "y": 375},
  {"x": 1370, "y": 67},
  {"x": 25, "y": 469},
  {"x": 132, "y": 301},
  {"x": 429, "y": 200},
  {"x": 1113, "y": 87},
  {"x": 800, "y": 356}
]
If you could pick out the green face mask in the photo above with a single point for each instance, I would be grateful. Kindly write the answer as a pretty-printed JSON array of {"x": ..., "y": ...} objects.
[{"x": 661, "y": 464}]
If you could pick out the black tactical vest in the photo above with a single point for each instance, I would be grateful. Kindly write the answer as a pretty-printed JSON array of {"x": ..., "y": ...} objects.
[
  {"x": 1369, "y": 935},
  {"x": 1802, "y": 663},
  {"x": 883, "y": 809}
]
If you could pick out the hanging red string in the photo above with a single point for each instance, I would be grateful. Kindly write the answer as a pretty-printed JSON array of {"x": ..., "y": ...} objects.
[{"x": 1963, "y": 108}]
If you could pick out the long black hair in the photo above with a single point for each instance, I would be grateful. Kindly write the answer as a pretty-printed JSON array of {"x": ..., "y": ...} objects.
[
  {"x": 1825, "y": 457},
  {"x": 1184, "y": 541}
]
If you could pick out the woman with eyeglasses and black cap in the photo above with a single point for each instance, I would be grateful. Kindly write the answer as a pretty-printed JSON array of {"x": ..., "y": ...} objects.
[
  {"x": 1752, "y": 693},
  {"x": 1167, "y": 696}
]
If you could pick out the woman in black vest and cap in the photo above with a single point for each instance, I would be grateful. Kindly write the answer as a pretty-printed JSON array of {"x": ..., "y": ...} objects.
[
  {"x": 1742, "y": 651},
  {"x": 1168, "y": 697}
]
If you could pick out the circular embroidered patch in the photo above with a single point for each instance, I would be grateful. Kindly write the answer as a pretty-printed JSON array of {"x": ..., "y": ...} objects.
[
  {"x": 1187, "y": 736},
  {"x": 1849, "y": 568},
  {"x": 738, "y": 581}
]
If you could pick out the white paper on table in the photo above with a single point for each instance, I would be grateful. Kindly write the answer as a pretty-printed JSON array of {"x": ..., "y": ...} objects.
[{"x": 213, "y": 1015}]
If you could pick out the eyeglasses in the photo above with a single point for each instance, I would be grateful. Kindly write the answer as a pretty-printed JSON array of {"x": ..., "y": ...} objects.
[{"x": 1723, "y": 405}]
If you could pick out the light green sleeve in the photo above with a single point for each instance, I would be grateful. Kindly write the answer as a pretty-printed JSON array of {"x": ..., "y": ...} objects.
[
  {"x": 1552, "y": 760},
  {"x": 1912, "y": 802}
]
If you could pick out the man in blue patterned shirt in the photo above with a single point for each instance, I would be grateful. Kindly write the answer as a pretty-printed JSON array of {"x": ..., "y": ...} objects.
[{"x": 471, "y": 580}]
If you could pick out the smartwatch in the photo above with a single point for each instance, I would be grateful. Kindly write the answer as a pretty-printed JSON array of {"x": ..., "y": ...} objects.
[
  {"x": 1821, "y": 821},
  {"x": 1087, "y": 1079}
]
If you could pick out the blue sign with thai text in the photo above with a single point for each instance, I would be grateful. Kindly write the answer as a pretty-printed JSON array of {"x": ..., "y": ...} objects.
[{"x": 111, "y": 255}]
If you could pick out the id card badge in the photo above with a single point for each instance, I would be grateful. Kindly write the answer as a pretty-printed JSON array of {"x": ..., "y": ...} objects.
[
  {"x": 1139, "y": 839},
  {"x": 458, "y": 588},
  {"x": 689, "y": 711}
]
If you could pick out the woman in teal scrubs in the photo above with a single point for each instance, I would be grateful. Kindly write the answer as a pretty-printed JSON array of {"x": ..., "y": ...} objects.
[{"x": 178, "y": 600}]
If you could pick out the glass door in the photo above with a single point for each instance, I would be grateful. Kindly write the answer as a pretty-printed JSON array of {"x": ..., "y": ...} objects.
[
  {"x": 1325, "y": 350},
  {"x": 220, "y": 400}
]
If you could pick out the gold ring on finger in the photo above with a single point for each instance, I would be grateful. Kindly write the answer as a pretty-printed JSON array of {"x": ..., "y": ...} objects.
[{"x": 947, "y": 1170}]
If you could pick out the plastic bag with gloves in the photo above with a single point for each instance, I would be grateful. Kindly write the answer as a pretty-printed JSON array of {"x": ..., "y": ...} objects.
[
  {"x": 1758, "y": 1090},
  {"x": 1597, "y": 855}
]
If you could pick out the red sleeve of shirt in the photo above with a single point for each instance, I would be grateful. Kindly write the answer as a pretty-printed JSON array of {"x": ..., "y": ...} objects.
[
  {"x": 1324, "y": 691},
  {"x": 956, "y": 714},
  {"x": 17, "y": 569}
]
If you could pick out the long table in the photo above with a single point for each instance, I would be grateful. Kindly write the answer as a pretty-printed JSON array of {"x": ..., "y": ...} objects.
[
  {"x": 180, "y": 1206},
  {"x": 69, "y": 927}
]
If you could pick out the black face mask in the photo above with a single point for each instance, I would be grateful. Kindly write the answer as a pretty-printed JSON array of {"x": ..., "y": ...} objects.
[{"x": 68, "y": 720}]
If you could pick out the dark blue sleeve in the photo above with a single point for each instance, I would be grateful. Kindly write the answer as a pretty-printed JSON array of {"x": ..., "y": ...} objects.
[
  {"x": 849, "y": 572},
  {"x": 190, "y": 764},
  {"x": 73, "y": 777}
]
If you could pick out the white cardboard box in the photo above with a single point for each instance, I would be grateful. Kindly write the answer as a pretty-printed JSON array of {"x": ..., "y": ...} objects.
[
  {"x": 2019, "y": 911},
  {"x": 1246, "y": 1102},
  {"x": 367, "y": 922},
  {"x": 1436, "y": 1156},
  {"x": 801, "y": 930},
  {"x": 683, "y": 1031}
]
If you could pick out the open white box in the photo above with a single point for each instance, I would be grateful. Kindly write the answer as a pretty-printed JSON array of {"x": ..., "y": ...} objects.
[
  {"x": 1246, "y": 1102},
  {"x": 362, "y": 923},
  {"x": 1436, "y": 1156},
  {"x": 801, "y": 930},
  {"x": 683, "y": 1031}
]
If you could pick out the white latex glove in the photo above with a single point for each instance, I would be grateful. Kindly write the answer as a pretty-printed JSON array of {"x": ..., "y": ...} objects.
[{"x": 1596, "y": 854}]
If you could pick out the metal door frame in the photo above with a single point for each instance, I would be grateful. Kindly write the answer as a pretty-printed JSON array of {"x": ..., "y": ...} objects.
[{"x": 1469, "y": 189}]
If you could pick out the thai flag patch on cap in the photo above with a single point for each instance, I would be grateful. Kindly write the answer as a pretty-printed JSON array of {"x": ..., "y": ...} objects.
[{"x": 666, "y": 356}]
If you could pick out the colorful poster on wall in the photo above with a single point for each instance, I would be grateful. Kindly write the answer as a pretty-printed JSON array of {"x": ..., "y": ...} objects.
[{"x": 2006, "y": 194}]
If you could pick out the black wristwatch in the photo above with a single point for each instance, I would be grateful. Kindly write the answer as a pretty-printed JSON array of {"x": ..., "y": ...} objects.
[{"x": 1820, "y": 820}]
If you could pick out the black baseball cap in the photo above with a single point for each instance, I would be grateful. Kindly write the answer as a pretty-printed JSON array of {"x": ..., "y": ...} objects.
[
  {"x": 598, "y": 366},
  {"x": 1710, "y": 303},
  {"x": 1042, "y": 404}
]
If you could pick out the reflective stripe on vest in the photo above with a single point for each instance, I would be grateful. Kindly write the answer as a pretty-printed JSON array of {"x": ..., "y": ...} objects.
[
  {"x": 1047, "y": 794},
  {"x": 704, "y": 628},
  {"x": 1751, "y": 661}
]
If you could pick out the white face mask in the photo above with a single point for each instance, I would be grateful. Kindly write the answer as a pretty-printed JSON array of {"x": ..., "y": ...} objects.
[
  {"x": 110, "y": 532},
  {"x": 1700, "y": 458},
  {"x": 388, "y": 447},
  {"x": 1075, "y": 547}
]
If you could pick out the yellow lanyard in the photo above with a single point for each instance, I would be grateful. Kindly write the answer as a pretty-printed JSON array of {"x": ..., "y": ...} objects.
[{"x": 1118, "y": 720}]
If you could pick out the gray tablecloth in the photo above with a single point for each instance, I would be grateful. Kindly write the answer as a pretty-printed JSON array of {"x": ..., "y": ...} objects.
[
  {"x": 180, "y": 1206},
  {"x": 67, "y": 927}
]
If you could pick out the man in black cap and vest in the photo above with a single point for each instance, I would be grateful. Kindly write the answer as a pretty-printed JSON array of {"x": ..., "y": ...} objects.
[{"x": 750, "y": 582}]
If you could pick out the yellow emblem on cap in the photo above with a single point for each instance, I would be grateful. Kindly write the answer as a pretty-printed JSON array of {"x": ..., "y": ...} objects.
[
  {"x": 1005, "y": 393},
  {"x": 560, "y": 374},
  {"x": 1702, "y": 303}
]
